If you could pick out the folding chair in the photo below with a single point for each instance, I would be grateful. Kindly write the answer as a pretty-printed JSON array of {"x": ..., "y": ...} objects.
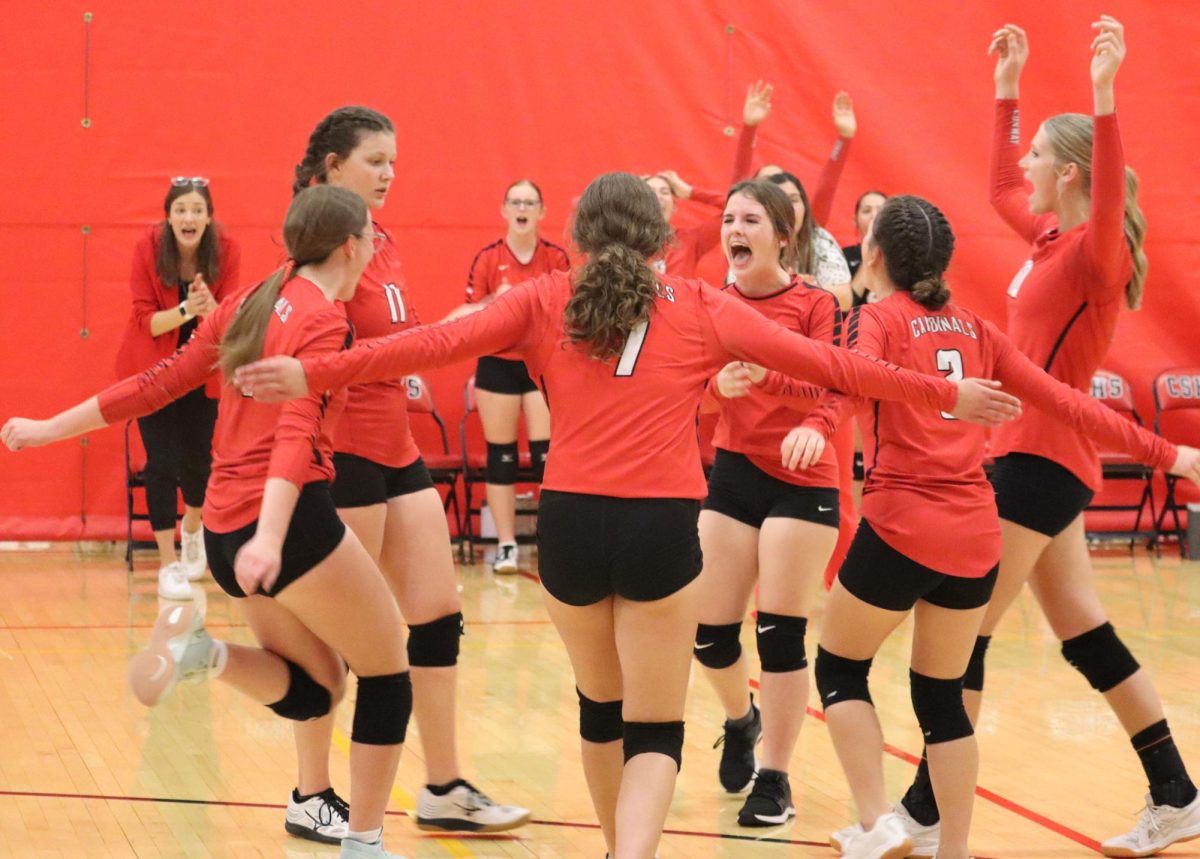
[
  {"x": 1177, "y": 418},
  {"x": 444, "y": 466},
  {"x": 1115, "y": 392},
  {"x": 135, "y": 463}
]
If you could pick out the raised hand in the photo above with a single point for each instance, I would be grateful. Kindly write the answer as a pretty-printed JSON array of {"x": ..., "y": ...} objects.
[
  {"x": 980, "y": 401},
  {"x": 1108, "y": 51},
  {"x": 758, "y": 103},
  {"x": 843, "y": 115},
  {"x": 801, "y": 447},
  {"x": 272, "y": 380},
  {"x": 681, "y": 189},
  {"x": 1011, "y": 48}
]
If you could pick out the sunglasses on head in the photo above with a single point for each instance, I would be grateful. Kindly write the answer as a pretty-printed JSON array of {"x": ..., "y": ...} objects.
[{"x": 198, "y": 181}]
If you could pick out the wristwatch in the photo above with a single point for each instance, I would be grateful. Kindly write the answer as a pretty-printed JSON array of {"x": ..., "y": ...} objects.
[{"x": 183, "y": 309}]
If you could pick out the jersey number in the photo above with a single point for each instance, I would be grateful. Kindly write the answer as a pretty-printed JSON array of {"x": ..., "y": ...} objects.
[
  {"x": 395, "y": 300},
  {"x": 950, "y": 362},
  {"x": 633, "y": 348}
]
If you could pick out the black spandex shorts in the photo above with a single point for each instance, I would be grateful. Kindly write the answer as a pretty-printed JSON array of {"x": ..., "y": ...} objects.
[
  {"x": 741, "y": 490},
  {"x": 361, "y": 482},
  {"x": 1038, "y": 493},
  {"x": 502, "y": 376},
  {"x": 877, "y": 574},
  {"x": 593, "y": 546},
  {"x": 314, "y": 532}
]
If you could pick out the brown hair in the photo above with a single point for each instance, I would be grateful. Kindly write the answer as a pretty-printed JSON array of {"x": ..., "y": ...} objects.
[
  {"x": 779, "y": 210},
  {"x": 619, "y": 225},
  {"x": 1071, "y": 136},
  {"x": 803, "y": 245},
  {"x": 917, "y": 243},
  {"x": 208, "y": 254},
  {"x": 528, "y": 182},
  {"x": 318, "y": 221},
  {"x": 340, "y": 133}
]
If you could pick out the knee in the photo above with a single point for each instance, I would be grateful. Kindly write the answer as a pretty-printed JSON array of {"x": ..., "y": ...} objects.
[
  {"x": 435, "y": 644},
  {"x": 599, "y": 721},
  {"x": 939, "y": 708},
  {"x": 840, "y": 679},
  {"x": 973, "y": 679},
  {"x": 1101, "y": 657},
  {"x": 664, "y": 738},
  {"x": 305, "y": 698},
  {"x": 383, "y": 709},
  {"x": 718, "y": 646},
  {"x": 781, "y": 642},
  {"x": 538, "y": 451},
  {"x": 502, "y": 464}
]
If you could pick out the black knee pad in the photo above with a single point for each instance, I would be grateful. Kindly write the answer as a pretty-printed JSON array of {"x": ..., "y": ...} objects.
[
  {"x": 781, "y": 642},
  {"x": 973, "y": 679},
  {"x": 665, "y": 738},
  {"x": 840, "y": 679},
  {"x": 600, "y": 721},
  {"x": 383, "y": 709},
  {"x": 939, "y": 708},
  {"x": 1101, "y": 657},
  {"x": 435, "y": 644},
  {"x": 305, "y": 698},
  {"x": 502, "y": 464},
  {"x": 537, "y": 457},
  {"x": 718, "y": 645}
]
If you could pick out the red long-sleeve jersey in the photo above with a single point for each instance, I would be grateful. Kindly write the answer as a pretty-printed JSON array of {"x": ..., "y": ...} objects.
[
  {"x": 496, "y": 267},
  {"x": 925, "y": 492},
  {"x": 626, "y": 428},
  {"x": 1064, "y": 301},
  {"x": 252, "y": 441},
  {"x": 374, "y": 422},
  {"x": 755, "y": 424}
]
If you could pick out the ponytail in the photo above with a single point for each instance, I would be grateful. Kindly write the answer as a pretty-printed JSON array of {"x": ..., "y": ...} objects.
[
  {"x": 244, "y": 338},
  {"x": 614, "y": 293},
  {"x": 1135, "y": 235},
  {"x": 932, "y": 293}
]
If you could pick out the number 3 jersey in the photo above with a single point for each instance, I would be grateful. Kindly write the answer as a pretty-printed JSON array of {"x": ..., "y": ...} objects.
[
  {"x": 374, "y": 423},
  {"x": 925, "y": 492}
]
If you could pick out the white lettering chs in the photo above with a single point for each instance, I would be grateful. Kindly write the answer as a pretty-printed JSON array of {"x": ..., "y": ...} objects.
[{"x": 283, "y": 309}]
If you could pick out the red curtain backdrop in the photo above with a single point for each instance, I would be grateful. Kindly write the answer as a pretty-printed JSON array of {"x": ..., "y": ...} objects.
[{"x": 485, "y": 92}]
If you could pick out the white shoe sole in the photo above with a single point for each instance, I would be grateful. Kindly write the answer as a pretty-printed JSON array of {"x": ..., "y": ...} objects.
[
  {"x": 457, "y": 824},
  {"x": 152, "y": 671},
  {"x": 1153, "y": 851}
]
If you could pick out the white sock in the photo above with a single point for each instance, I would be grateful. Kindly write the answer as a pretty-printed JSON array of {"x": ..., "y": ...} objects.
[{"x": 371, "y": 836}]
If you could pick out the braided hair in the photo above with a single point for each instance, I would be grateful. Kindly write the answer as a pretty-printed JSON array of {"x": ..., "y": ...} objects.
[
  {"x": 917, "y": 243},
  {"x": 339, "y": 132}
]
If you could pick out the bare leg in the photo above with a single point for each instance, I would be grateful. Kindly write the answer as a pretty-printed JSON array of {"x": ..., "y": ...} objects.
[
  {"x": 191, "y": 519},
  {"x": 730, "y": 571}
]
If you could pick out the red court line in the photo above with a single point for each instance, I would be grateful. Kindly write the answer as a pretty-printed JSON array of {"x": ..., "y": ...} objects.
[{"x": 983, "y": 793}]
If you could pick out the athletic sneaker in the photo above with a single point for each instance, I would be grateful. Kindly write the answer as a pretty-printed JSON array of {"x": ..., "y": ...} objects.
[
  {"x": 323, "y": 817},
  {"x": 738, "y": 765},
  {"x": 506, "y": 558},
  {"x": 769, "y": 802},
  {"x": 173, "y": 582},
  {"x": 924, "y": 838},
  {"x": 179, "y": 649},
  {"x": 355, "y": 849},
  {"x": 194, "y": 560},
  {"x": 465, "y": 808},
  {"x": 885, "y": 840},
  {"x": 1159, "y": 826}
]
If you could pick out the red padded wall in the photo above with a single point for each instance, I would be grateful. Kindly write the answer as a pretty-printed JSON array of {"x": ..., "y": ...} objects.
[{"x": 483, "y": 93}]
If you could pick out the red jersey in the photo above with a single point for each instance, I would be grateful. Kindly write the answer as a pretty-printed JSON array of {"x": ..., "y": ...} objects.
[
  {"x": 496, "y": 267},
  {"x": 755, "y": 424},
  {"x": 626, "y": 428},
  {"x": 925, "y": 492},
  {"x": 138, "y": 349},
  {"x": 1064, "y": 301},
  {"x": 252, "y": 441},
  {"x": 374, "y": 423}
]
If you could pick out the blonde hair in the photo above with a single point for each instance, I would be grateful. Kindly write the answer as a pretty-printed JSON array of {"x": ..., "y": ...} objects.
[{"x": 1071, "y": 136}]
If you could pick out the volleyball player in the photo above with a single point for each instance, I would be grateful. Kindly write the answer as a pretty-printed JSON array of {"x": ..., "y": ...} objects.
[
  {"x": 764, "y": 528},
  {"x": 384, "y": 493},
  {"x": 182, "y": 268},
  {"x": 1086, "y": 232},
  {"x": 929, "y": 541},
  {"x": 308, "y": 588},
  {"x": 622, "y": 356},
  {"x": 503, "y": 389}
]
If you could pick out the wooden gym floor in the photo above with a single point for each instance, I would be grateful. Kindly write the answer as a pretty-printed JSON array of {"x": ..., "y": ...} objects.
[{"x": 87, "y": 772}]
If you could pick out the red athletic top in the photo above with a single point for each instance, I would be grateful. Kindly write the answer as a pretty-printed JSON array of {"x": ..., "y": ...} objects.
[
  {"x": 139, "y": 350},
  {"x": 755, "y": 424},
  {"x": 925, "y": 492},
  {"x": 496, "y": 266},
  {"x": 626, "y": 429},
  {"x": 1064, "y": 301},
  {"x": 374, "y": 423},
  {"x": 252, "y": 441}
]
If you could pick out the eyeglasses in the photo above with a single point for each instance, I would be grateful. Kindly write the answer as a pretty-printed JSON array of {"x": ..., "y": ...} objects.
[
  {"x": 523, "y": 204},
  {"x": 377, "y": 239},
  {"x": 183, "y": 181}
]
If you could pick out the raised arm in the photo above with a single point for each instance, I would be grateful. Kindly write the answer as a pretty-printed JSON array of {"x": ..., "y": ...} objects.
[
  {"x": 1006, "y": 181},
  {"x": 846, "y": 124}
]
